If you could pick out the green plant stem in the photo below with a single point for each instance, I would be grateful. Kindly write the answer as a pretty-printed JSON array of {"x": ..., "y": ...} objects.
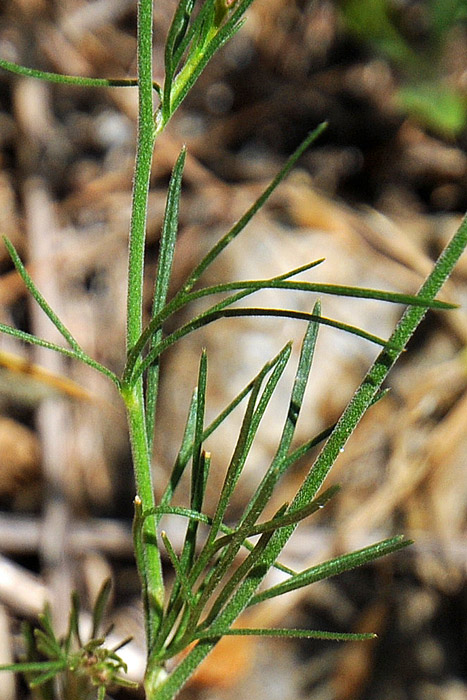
[
  {"x": 144, "y": 153},
  {"x": 149, "y": 562}
]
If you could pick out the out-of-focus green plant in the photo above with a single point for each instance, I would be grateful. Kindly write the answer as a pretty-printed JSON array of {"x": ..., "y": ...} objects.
[
  {"x": 425, "y": 94},
  {"x": 82, "y": 669}
]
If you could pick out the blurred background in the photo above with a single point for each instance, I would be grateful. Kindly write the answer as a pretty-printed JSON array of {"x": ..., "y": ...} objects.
[{"x": 378, "y": 196}]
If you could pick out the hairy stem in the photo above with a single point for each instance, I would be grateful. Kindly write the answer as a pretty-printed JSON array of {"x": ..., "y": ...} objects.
[{"x": 149, "y": 562}]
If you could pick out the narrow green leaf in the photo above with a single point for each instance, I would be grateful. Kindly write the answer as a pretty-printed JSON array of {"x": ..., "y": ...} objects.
[
  {"x": 210, "y": 316},
  {"x": 187, "y": 445},
  {"x": 332, "y": 567},
  {"x": 184, "y": 453},
  {"x": 240, "y": 572},
  {"x": 286, "y": 632},
  {"x": 175, "y": 36},
  {"x": 100, "y": 606},
  {"x": 74, "y": 618},
  {"x": 33, "y": 666},
  {"x": 181, "y": 578},
  {"x": 161, "y": 287},
  {"x": 25, "y": 276},
  {"x": 47, "y": 645},
  {"x": 248, "y": 431},
  {"x": 250, "y": 425},
  {"x": 39, "y": 342},
  {"x": 46, "y": 676},
  {"x": 199, "y": 476},
  {"x": 200, "y": 467},
  {"x": 73, "y": 623},
  {"x": 178, "y": 510},
  {"x": 258, "y": 501},
  {"x": 207, "y": 520},
  {"x": 79, "y": 80},
  {"x": 276, "y": 469},
  {"x": 255, "y": 207},
  {"x": 182, "y": 299},
  {"x": 264, "y": 490},
  {"x": 193, "y": 35},
  {"x": 290, "y": 518},
  {"x": 331, "y": 289},
  {"x": 190, "y": 74}
]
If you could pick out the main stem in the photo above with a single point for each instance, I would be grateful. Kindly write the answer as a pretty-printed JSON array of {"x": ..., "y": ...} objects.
[{"x": 148, "y": 557}]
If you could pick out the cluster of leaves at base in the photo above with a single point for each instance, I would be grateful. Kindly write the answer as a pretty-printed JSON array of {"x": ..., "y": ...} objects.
[
  {"x": 82, "y": 669},
  {"x": 424, "y": 95}
]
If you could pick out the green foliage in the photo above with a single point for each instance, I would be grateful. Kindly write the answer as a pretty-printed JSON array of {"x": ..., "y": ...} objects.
[
  {"x": 211, "y": 589},
  {"x": 83, "y": 670},
  {"x": 424, "y": 95}
]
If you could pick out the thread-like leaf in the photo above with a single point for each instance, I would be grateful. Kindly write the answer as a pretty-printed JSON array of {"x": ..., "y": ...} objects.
[
  {"x": 200, "y": 468},
  {"x": 33, "y": 666},
  {"x": 179, "y": 572},
  {"x": 100, "y": 606},
  {"x": 250, "y": 425},
  {"x": 248, "y": 431},
  {"x": 332, "y": 567},
  {"x": 175, "y": 36},
  {"x": 76, "y": 351},
  {"x": 217, "y": 312},
  {"x": 161, "y": 287},
  {"x": 40, "y": 342},
  {"x": 286, "y": 632},
  {"x": 73, "y": 624},
  {"x": 255, "y": 207},
  {"x": 290, "y": 518},
  {"x": 184, "y": 453},
  {"x": 264, "y": 490},
  {"x": 187, "y": 445},
  {"x": 276, "y": 469},
  {"x": 79, "y": 80},
  {"x": 262, "y": 494},
  {"x": 240, "y": 572},
  {"x": 207, "y": 520},
  {"x": 318, "y": 288},
  {"x": 34, "y": 291},
  {"x": 46, "y": 676},
  {"x": 183, "y": 299}
]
